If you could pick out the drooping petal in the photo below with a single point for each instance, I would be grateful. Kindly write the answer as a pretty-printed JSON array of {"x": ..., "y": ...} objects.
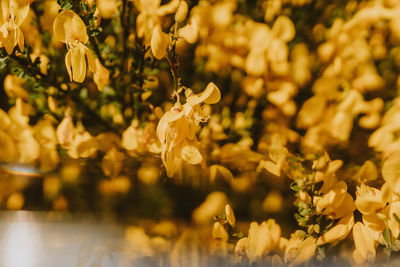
[
  {"x": 159, "y": 43},
  {"x": 78, "y": 64}
]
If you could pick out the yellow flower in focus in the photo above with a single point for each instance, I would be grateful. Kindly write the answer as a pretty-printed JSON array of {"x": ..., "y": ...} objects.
[
  {"x": 335, "y": 202},
  {"x": 12, "y": 14},
  {"x": 70, "y": 29},
  {"x": 176, "y": 129}
]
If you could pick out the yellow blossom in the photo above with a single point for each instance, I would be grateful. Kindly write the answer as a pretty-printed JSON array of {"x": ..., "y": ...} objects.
[
  {"x": 370, "y": 200},
  {"x": 70, "y": 29},
  {"x": 151, "y": 12},
  {"x": 176, "y": 129},
  {"x": 12, "y": 14}
]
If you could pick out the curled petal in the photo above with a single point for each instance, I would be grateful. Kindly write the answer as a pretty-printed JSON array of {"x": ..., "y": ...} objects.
[{"x": 210, "y": 95}]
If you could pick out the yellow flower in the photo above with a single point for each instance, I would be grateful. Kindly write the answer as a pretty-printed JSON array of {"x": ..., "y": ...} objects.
[
  {"x": 335, "y": 202},
  {"x": 262, "y": 240},
  {"x": 150, "y": 16},
  {"x": 370, "y": 200},
  {"x": 176, "y": 129},
  {"x": 12, "y": 14},
  {"x": 70, "y": 29}
]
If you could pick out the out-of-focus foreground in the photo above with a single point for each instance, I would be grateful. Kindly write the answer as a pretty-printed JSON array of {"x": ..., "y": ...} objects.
[{"x": 200, "y": 132}]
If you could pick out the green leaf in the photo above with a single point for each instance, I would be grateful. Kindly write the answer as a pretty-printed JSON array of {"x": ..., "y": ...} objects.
[
  {"x": 396, "y": 217},
  {"x": 66, "y": 5},
  {"x": 294, "y": 186},
  {"x": 387, "y": 236}
]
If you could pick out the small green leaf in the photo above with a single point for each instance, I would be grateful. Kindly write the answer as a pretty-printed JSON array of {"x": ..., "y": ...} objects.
[
  {"x": 396, "y": 217},
  {"x": 294, "y": 186},
  {"x": 387, "y": 236}
]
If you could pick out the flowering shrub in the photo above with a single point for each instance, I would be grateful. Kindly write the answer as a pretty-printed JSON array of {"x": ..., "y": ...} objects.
[{"x": 286, "y": 109}]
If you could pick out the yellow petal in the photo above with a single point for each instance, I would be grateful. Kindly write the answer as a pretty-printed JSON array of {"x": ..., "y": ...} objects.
[
  {"x": 159, "y": 42},
  {"x": 210, "y": 95},
  {"x": 68, "y": 64},
  {"x": 230, "y": 216},
  {"x": 78, "y": 64},
  {"x": 68, "y": 26},
  {"x": 190, "y": 32},
  {"x": 271, "y": 167},
  {"x": 191, "y": 155},
  {"x": 169, "y": 8},
  {"x": 182, "y": 11},
  {"x": 391, "y": 172},
  {"x": 221, "y": 170},
  {"x": 284, "y": 29},
  {"x": 20, "y": 9},
  {"x": 219, "y": 232},
  {"x": 169, "y": 116}
]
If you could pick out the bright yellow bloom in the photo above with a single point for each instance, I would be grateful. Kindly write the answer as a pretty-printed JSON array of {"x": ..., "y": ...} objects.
[
  {"x": 262, "y": 239},
  {"x": 176, "y": 129},
  {"x": 151, "y": 13},
  {"x": 70, "y": 29},
  {"x": 369, "y": 200},
  {"x": 12, "y": 14}
]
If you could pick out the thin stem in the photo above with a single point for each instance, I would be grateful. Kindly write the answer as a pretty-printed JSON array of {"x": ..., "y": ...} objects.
[{"x": 173, "y": 61}]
